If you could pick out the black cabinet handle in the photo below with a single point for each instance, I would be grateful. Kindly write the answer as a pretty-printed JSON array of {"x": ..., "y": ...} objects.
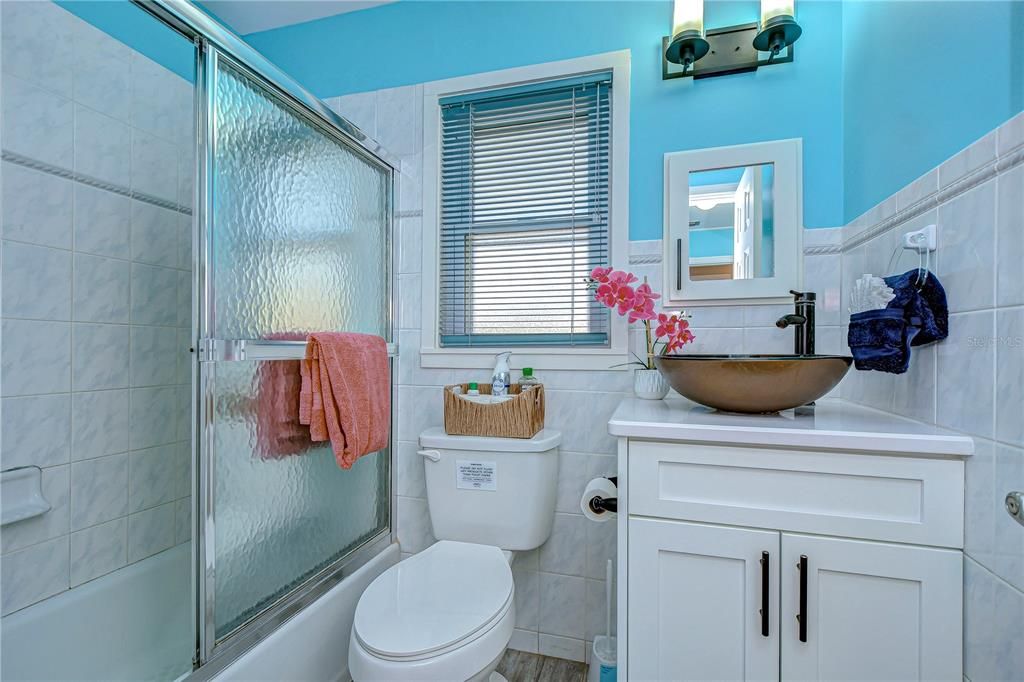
[
  {"x": 802, "y": 616},
  {"x": 764, "y": 594},
  {"x": 679, "y": 264}
]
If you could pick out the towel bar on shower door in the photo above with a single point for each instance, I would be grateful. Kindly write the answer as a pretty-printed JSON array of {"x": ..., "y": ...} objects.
[{"x": 233, "y": 350}]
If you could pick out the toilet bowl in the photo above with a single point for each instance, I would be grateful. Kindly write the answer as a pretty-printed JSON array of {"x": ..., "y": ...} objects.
[{"x": 447, "y": 613}]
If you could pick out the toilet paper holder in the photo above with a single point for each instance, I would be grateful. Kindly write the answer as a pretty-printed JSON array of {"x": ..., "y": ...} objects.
[{"x": 599, "y": 504}]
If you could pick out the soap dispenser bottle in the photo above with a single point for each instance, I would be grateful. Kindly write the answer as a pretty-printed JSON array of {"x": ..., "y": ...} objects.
[{"x": 502, "y": 374}]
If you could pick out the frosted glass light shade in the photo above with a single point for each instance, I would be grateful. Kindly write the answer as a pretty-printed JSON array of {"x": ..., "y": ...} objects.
[
  {"x": 776, "y": 8},
  {"x": 688, "y": 15}
]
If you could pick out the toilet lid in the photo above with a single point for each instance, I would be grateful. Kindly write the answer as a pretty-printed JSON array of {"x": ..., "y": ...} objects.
[{"x": 433, "y": 600}]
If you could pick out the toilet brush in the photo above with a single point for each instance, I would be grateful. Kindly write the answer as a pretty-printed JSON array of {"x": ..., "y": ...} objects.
[{"x": 602, "y": 659}]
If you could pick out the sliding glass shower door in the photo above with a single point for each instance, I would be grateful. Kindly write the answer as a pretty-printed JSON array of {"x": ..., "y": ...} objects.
[{"x": 297, "y": 239}]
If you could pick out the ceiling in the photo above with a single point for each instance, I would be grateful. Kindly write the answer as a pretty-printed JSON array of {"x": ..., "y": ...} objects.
[{"x": 252, "y": 16}]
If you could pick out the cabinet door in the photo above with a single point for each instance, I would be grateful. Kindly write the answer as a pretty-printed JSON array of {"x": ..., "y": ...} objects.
[
  {"x": 695, "y": 602},
  {"x": 872, "y": 611}
]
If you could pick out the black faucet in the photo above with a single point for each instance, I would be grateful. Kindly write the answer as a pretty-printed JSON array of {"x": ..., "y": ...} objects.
[{"x": 802, "y": 320}]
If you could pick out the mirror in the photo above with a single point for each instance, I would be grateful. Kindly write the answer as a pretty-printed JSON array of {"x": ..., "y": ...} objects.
[
  {"x": 731, "y": 230},
  {"x": 733, "y": 224}
]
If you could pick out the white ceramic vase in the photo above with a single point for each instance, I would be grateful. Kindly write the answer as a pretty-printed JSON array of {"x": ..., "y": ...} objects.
[{"x": 649, "y": 384}]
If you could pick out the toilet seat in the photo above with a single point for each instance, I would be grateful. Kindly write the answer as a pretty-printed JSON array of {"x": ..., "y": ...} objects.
[{"x": 434, "y": 602}]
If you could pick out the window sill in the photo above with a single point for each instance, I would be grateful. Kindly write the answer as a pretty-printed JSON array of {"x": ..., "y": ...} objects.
[{"x": 537, "y": 358}]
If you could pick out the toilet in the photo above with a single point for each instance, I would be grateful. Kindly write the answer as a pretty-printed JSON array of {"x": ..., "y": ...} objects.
[{"x": 447, "y": 613}]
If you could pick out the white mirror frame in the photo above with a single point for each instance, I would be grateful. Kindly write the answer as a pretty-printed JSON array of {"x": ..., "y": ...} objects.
[{"x": 786, "y": 155}]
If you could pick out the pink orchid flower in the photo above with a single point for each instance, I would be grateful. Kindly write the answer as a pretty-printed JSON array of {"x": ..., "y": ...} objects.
[{"x": 600, "y": 274}]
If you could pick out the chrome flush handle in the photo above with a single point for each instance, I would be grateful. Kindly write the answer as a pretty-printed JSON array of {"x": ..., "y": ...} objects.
[{"x": 1015, "y": 506}]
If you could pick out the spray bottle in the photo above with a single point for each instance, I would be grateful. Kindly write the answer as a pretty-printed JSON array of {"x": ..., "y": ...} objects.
[{"x": 502, "y": 376}]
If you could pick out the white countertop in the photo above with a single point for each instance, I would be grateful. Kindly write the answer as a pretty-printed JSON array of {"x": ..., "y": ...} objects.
[{"x": 835, "y": 424}]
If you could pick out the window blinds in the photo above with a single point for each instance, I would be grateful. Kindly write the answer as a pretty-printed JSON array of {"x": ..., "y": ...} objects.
[{"x": 524, "y": 214}]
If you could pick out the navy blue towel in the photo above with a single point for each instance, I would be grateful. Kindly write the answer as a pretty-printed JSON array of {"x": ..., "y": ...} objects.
[
  {"x": 881, "y": 339},
  {"x": 924, "y": 308}
]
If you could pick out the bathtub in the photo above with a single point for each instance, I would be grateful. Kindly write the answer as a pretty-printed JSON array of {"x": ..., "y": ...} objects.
[
  {"x": 314, "y": 644},
  {"x": 132, "y": 624}
]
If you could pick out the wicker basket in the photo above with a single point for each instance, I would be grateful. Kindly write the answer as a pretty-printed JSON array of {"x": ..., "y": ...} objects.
[{"x": 520, "y": 417}]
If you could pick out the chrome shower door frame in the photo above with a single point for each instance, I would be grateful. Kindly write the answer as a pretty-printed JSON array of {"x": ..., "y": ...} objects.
[{"x": 214, "y": 43}]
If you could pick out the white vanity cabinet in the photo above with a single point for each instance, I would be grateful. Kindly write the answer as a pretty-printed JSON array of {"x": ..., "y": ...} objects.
[{"x": 818, "y": 555}]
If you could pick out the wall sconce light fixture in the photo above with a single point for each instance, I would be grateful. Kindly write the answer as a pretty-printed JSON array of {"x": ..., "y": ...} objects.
[
  {"x": 688, "y": 43},
  {"x": 732, "y": 49}
]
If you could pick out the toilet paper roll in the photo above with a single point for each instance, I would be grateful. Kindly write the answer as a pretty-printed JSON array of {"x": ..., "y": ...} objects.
[{"x": 598, "y": 487}]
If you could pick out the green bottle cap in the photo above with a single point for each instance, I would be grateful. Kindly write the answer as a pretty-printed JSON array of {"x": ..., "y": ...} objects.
[
  {"x": 527, "y": 371},
  {"x": 473, "y": 386}
]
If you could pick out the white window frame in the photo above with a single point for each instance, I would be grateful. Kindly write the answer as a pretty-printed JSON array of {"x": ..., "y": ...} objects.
[{"x": 432, "y": 354}]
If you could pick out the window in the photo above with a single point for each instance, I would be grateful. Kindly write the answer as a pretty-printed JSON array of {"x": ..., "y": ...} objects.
[{"x": 524, "y": 211}]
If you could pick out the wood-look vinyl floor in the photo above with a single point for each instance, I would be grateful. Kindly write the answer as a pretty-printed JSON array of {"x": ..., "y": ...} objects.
[{"x": 519, "y": 666}]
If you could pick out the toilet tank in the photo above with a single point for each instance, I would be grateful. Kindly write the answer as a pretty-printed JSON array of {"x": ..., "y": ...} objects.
[{"x": 491, "y": 491}]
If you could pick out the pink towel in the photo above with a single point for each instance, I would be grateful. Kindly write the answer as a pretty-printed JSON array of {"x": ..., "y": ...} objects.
[
  {"x": 278, "y": 431},
  {"x": 346, "y": 393}
]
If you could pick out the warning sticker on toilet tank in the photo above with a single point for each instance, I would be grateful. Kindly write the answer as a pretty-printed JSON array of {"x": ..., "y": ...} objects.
[{"x": 470, "y": 475}]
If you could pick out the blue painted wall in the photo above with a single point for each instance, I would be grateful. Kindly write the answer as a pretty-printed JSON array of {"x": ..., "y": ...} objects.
[
  {"x": 921, "y": 81},
  {"x": 413, "y": 42}
]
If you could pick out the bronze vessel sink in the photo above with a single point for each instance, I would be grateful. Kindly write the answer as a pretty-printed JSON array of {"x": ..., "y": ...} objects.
[{"x": 753, "y": 383}]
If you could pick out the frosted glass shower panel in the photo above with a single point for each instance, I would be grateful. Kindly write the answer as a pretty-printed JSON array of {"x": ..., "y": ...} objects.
[
  {"x": 301, "y": 222},
  {"x": 283, "y": 511},
  {"x": 298, "y": 239}
]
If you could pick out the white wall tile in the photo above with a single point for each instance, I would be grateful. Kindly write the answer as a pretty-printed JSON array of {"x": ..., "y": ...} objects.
[
  {"x": 967, "y": 249},
  {"x": 102, "y": 222},
  {"x": 993, "y": 642},
  {"x": 1009, "y": 344},
  {"x": 769, "y": 340},
  {"x": 154, "y": 168},
  {"x": 36, "y": 282},
  {"x": 36, "y": 431},
  {"x": 35, "y": 573},
  {"x": 914, "y": 395},
  {"x": 400, "y": 119},
  {"x": 1008, "y": 540},
  {"x": 102, "y": 147},
  {"x": 101, "y": 287},
  {"x": 102, "y": 72},
  {"x": 582, "y": 418},
  {"x": 917, "y": 190},
  {"x": 35, "y": 357},
  {"x": 36, "y": 206},
  {"x": 821, "y": 275},
  {"x": 419, "y": 408},
  {"x": 564, "y": 552},
  {"x": 1011, "y": 134},
  {"x": 1010, "y": 238},
  {"x": 359, "y": 108},
  {"x": 52, "y": 524},
  {"x": 98, "y": 550},
  {"x": 601, "y": 546},
  {"x": 150, "y": 531},
  {"x": 527, "y": 584},
  {"x": 410, "y": 301},
  {"x": 100, "y": 354},
  {"x": 99, "y": 423},
  {"x": 411, "y": 479},
  {"x": 572, "y": 479},
  {"x": 99, "y": 490},
  {"x": 562, "y": 605},
  {"x": 562, "y": 647},
  {"x": 184, "y": 299},
  {"x": 182, "y": 521},
  {"x": 155, "y": 107},
  {"x": 597, "y": 609},
  {"x": 36, "y": 123},
  {"x": 966, "y": 366},
  {"x": 37, "y": 44},
  {"x": 410, "y": 245},
  {"x": 185, "y": 240},
  {"x": 979, "y": 503},
  {"x": 414, "y": 530},
  {"x": 155, "y": 234},
  {"x": 969, "y": 160},
  {"x": 152, "y": 417},
  {"x": 152, "y": 477},
  {"x": 524, "y": 640},
  {"x": 154, "y": 295},
  {"x": 153, "y": 361}
]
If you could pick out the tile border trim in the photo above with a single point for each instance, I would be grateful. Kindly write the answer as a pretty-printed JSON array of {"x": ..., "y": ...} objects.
[{"x": 50, "y": 169}]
